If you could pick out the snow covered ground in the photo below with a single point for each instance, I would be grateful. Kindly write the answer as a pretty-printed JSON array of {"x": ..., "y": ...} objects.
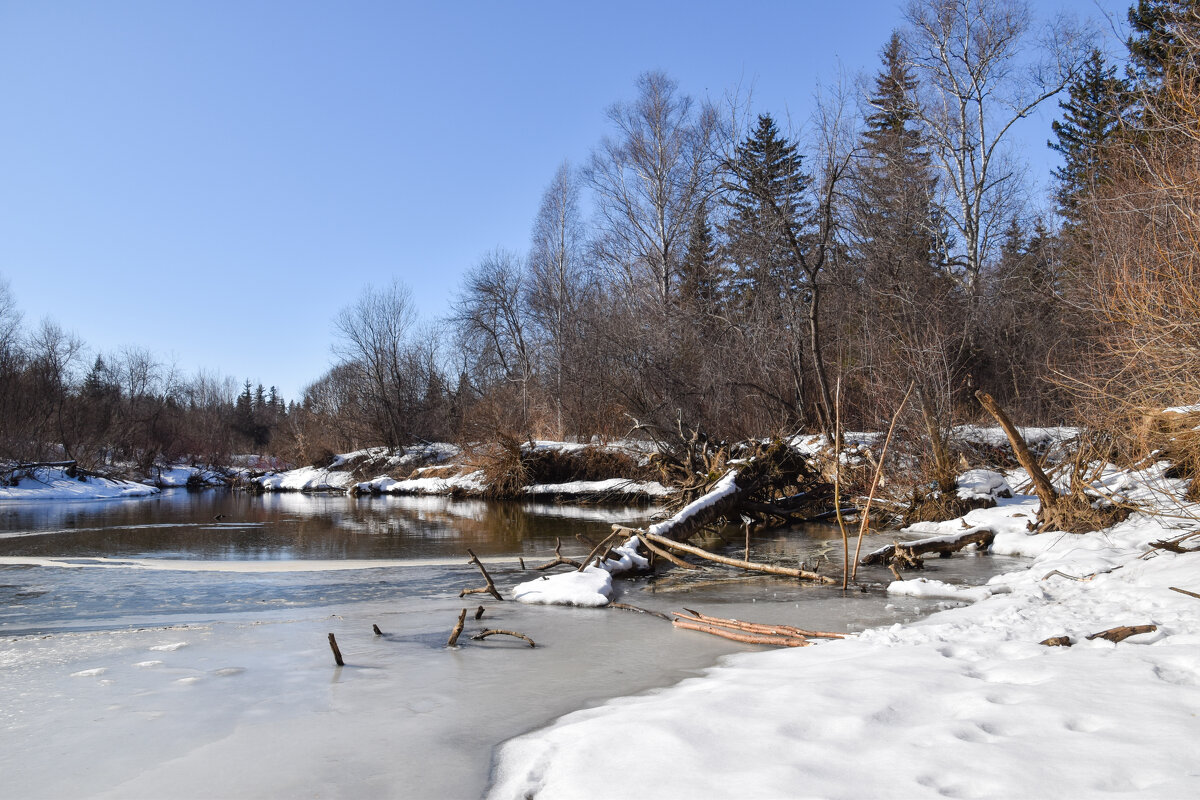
[
  {"x": 52, "y": 483},
  {"x": 965, "y": 703}
]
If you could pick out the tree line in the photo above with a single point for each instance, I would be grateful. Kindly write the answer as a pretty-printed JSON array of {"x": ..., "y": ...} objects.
[{"x": 708, "y": 270}]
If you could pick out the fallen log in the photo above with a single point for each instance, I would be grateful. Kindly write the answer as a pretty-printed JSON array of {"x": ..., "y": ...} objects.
[
  {"x": 741, "y": 636},
  {"x": 1123, "y": 632},
  {"x": 770, "y": 569},
  {"x": 1184, "y": 591},
  {"x": 756, "y": 627},
  {"x": 907, "y": 553}
]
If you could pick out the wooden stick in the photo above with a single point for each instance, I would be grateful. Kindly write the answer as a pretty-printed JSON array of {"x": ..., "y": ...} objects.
[
  {"x": 837, "y": 482},
  {"x": 735, "y": 562},
  {"x": 377, "y": 631},
  {"x": 491, "y": 586},
  {"x": 761, "y": 628},
  {"x": 458, "y": 628},
  {"x": 741, "y": 636},
  {"x": 1123, "y": 632},
  {"x": 603, "y": 543},
  {"x": 337, "y": 654},
  {"x": 479, "y": 613},
  {"x": 866, "y": 514},
  {"x": 558, "y": 557},
  {"x": 627, "y": 607},
  {"x": 495, "y": 632},
  {"x": 1184, "y": 591}
]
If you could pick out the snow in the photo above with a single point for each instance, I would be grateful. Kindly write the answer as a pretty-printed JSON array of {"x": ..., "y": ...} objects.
[
  {"x": 52, "y": 483},
  {"x": 1182, "y": 410},
  {"x": 306, "y": 479},
  {"x": 610, "y": 486},
  {"x": 472, "y": 481},
  {"x": 590, "y": 588},
  {"x": 723, "y": 488},
  {"x": 982, "y": 484},
  {"x": 965, "y": 703}
]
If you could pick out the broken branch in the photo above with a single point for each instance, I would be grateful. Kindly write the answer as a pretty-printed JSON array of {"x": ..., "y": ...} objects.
[
  {"x": 491, "y": 586},
  {"x": 770, "y": 569},
  {"x": 497, "y": 632}
]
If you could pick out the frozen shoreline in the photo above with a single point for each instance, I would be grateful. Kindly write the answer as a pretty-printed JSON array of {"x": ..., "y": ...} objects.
[{"x": 965, "y": 703}]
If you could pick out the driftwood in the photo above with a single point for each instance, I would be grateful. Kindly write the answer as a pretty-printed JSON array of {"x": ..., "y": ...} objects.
[
  {"x": 559, "y": 558},
  {"x": 908, "y": 554},
  {"x": 458, "y": 629},
  {"x": 337, "y": 653},
  {"x": 378, "y": 632},
  {"x": 627, "y": 607},
  {"x": 755, "y": 627},
  {"x": 497, "y": 632},
  {"x": 1184, "y": 591},
  {"x": 1123, "y": 632},
  {"x": 479, "y": 613},
  {"x": 1057, "y": 641},
  {"x": 739, "y": 635},
  {"x": 490, "y": 588},
  {"x": 770, "y": 569}
]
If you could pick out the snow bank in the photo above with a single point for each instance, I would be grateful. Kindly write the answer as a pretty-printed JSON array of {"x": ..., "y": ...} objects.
[
  {"x": 965, "y": 703},
  {"x": 593, "y": 587},
  {"x": 52, "y": 483},
  {"x": 927, "y": 587}
]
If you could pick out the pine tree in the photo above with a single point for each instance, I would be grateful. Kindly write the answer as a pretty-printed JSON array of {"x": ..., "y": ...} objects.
[{"x": 1092, "y": 114}]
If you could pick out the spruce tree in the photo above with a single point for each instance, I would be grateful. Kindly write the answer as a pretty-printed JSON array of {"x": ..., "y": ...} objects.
[
  {"x": 897, "y": 227},
  {"x": 700, "y": 283},
  {"x": 764, "y": 191},
  {"x": 1154, "y": 43},
  {"x": 1092, "y": 114}
]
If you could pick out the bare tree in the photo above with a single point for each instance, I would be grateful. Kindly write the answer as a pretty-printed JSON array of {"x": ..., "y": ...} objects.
[
  {"x": 558, "y": 276},
  {"x": 972, "y": 58},
  {"x": 491, "y": 313},
  {"x": 648, "y": 181},
  {"x": 373, "y": 338}
]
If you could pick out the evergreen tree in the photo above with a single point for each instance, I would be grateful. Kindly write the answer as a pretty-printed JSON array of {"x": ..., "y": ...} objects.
[
  {"x": 701, "y": 282},
  {"x": 1154, "y": 43},
  {"x": 765, "y": 193},
  {"x": 1092, "y": 113},
  {"x": 898, "y": 225}
]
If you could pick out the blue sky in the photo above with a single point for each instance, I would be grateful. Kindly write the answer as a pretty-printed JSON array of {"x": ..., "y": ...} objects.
[{"x": 215, "y": 180}]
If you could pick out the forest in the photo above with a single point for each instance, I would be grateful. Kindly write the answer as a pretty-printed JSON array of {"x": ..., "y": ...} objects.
[{"x": 709, "y": 272}]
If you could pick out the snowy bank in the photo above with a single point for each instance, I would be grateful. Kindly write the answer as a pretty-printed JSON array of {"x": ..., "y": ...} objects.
[
  {"x": 591, "y": 587},
  {"x": 53, "y": 483},
  {"x": 964, "y": 703}
]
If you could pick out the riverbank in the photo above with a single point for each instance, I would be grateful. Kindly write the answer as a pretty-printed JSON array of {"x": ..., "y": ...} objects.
[{"x": 965, "y": 703}]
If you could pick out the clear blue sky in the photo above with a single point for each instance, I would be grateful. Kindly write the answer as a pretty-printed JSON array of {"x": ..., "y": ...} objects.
[{"x": 214, "y": 180}]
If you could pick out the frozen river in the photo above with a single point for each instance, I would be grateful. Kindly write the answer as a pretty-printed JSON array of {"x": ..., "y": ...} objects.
[{"x": 177, "y": 646}]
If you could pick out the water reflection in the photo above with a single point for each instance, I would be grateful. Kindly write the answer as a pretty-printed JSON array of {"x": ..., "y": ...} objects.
[{"x": 218, "y": 525}]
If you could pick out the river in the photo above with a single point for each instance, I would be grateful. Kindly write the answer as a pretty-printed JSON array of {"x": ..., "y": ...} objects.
[{"x": 177, "y": 645}]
